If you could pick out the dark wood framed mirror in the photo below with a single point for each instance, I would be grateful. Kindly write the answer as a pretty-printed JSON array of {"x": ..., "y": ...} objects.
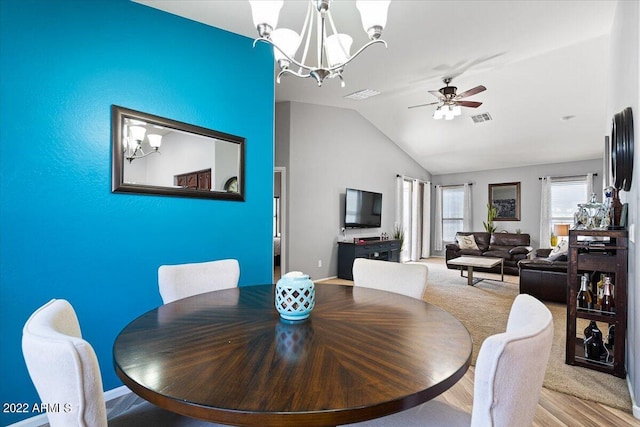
[
  {"x": 622, "y": 149},
  {"x": 156, "y": 155}
]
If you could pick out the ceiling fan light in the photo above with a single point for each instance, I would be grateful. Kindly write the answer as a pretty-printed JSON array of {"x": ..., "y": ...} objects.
[
  {"x": 287, "y": 40},
  {"x": 373, "y": 14},
  {"x": 449, "y": 117},
  {"x": 338, "y": 47},
  {"x": 438, "y": 114},
  {"x": 456, "y": 110},
  {"x": 265, "y": 13}
]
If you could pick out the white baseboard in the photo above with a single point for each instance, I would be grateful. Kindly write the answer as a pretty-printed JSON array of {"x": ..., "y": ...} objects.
[
  {"x": 41, "y": 419},
  {"x": 634, "y": 405},
  {"x": 325, "y": 278}
]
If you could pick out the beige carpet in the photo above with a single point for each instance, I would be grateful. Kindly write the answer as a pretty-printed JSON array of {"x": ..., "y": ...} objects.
[{"x": 484, "y": 310}]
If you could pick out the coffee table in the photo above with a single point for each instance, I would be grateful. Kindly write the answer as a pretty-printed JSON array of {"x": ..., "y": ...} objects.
[{"x": 476, "y": 261}]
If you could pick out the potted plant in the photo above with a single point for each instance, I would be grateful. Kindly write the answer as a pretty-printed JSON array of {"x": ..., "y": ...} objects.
[
  {"x": 492, "y": 212},
  {"x": 398, "y": 234}
]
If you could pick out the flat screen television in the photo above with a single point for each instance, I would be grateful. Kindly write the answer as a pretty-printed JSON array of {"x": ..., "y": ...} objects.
[{"x": 363, "y": 209}]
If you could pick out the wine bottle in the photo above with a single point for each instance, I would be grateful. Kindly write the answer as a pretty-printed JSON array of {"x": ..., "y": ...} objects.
[
  {"x": 585, "y": 299},
  {"x": 608, "y": 303},
  {"x": 600, "y": 290},
  {"x": 594, "y": 348},
  {"x": 611, "y": 336},
  {"x": 592, "y": 326}
]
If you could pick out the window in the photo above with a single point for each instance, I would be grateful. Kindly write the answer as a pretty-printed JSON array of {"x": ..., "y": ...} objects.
[
  {"x": 452, "y": 212},
  {"x": 566, "y": 194}
]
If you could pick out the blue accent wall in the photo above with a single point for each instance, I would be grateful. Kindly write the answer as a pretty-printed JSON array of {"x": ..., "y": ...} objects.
[{"x": 63, "y": 234}]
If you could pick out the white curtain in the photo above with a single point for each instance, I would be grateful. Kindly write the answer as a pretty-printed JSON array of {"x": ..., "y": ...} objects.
[
  {"x": 416, "y": 221},
  {"x": 438, "y": 220},
  {"x": 545, "y": 212},
  {"x": 413, "y": 207},
  {"x": 467, "y": 222},
  {"x": 399, "y": 204},
  {"x": 426, "y": 220}
]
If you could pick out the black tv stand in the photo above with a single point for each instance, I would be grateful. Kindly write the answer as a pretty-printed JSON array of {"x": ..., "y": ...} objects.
[{"x": 371, "y": 248}]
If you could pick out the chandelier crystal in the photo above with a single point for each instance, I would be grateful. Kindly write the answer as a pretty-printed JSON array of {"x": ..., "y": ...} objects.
[{"x": 333, "y": 48}]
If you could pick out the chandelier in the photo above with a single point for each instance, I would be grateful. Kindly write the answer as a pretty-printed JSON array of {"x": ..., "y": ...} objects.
[
  {"x": 134, "y": 134},
  {"x": 333, "y": 51}
]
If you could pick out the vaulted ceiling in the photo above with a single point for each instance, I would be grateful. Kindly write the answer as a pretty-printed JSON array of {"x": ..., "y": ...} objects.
[{"x": 544, "y": 64}]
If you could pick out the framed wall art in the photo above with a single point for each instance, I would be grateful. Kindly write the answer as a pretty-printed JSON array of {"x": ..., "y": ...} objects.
[{"x": 506, "y": 199}]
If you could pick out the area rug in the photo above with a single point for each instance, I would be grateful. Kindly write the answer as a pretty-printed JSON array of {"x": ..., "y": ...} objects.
[{"x": 484, "y": 310}]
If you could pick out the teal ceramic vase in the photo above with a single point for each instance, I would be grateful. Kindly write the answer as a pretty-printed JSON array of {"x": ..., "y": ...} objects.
[{"x": 295, "y": 296}]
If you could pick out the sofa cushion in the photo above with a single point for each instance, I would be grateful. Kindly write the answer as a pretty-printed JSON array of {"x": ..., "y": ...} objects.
[
  {"x": 497, "y": 254},
  {"x": 500, "y": 248},
  {"x": 509, "y": 239},
  {"x": 519, "y": 250},
  {"x": 474, "y": 252},
  {"x": 466, "y": 242},
  {"x": 544, "y": 264}
]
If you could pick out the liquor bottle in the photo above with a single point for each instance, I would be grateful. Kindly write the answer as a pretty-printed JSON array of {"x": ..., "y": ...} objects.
[
  {"x": 611, "y": 336},
  {"x": 608, "y": 303},
  {"x": 593, "y": 326},
  {"x": 599, "y": 291},
  {"x": 585, "y": 299},
  {"x": 595, "y": 349},
  {"x": 590, "y": 332}
]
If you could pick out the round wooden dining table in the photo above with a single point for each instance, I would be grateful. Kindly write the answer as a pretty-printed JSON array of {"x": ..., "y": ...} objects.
[{"x": 227, "y": 357}]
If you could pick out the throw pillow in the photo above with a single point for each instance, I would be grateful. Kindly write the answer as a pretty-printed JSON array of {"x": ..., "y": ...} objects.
[
  {"x": 557, "y": 257},
  {"x": 467, "y": 242},
  {"x": 562, "y": 248}
]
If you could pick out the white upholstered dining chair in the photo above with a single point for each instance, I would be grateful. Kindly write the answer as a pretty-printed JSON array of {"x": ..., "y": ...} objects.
[
  {"x": 184, "y": 280},
  {"x": 407, "y": 279},
  {"x": 509, "y": 373},
  {"x": 64, "y": 369}
]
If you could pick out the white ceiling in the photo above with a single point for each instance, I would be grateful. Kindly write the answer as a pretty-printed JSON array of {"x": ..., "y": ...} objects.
[{"x": 540, "y": 61}]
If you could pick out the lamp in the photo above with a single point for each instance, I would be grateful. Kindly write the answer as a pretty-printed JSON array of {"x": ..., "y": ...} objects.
[
  {"x": 134, "y": 134},
  {"x": 333, "y": 51},
  {"x": 561, "y": 230}
]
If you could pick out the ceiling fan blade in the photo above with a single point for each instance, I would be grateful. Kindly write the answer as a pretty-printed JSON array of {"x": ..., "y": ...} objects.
[
  {"x": 424, "y": 105},
  {"x": 473, "y": 91},
  {"x": 472, "y": 104},
  {"x": 436, "y": 93}
]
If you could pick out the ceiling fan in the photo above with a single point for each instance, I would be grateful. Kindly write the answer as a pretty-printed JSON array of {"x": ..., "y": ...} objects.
[{"x": 449, "y": 101}]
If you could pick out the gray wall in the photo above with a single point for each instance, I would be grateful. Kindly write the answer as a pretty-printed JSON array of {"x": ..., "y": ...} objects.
[
  {"x": 529, "y": 192},
  {"x": 325, "y": 150},
  {"x": 624, "y": 91}
]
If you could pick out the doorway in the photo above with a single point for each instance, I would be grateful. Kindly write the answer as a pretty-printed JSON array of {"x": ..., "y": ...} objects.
[{"x": 279, "y": 222}]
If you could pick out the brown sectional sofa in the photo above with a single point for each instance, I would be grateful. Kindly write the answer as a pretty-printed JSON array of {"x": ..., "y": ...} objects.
[{"x": 513, "y": 247}]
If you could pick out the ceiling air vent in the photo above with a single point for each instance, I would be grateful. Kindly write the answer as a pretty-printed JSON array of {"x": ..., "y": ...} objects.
[
  {"x": 479, "y": 118},
  {"x": 362, "y": 94}
]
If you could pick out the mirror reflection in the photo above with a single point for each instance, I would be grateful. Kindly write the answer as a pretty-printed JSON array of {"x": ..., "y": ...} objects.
[{"x": 157, "y": 155}]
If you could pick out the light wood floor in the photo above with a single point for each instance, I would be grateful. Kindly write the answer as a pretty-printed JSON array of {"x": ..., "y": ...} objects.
[{"x": 554, "y": 409}]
